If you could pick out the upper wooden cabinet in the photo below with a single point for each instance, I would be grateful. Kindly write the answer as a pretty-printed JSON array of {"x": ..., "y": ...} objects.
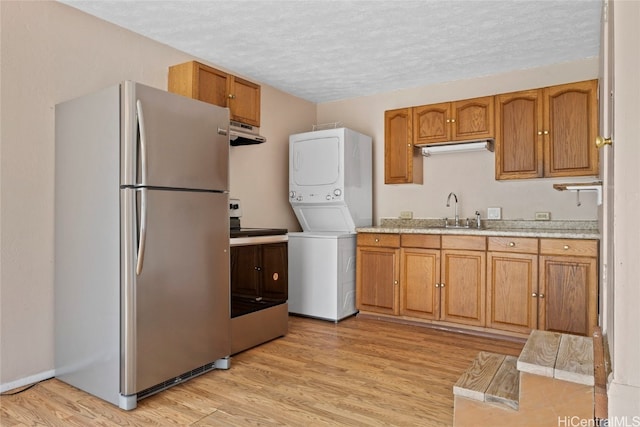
[
  {"x": 208, "y": 84},
  {"x": 469, "y": 119},
  {"x": 547, "y": 132},
  {"x": 402, "y": 164}
]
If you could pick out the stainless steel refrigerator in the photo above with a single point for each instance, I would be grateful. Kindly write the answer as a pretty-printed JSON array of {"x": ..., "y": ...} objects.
[{"x": 141, "y": 241}]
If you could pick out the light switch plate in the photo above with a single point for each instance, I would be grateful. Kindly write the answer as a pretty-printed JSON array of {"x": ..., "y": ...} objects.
[{"x": 494, "y": 213}]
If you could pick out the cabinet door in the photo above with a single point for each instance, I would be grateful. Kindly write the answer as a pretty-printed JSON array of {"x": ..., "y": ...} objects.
[
  {"x": 568, "y": 294},
  {"x": 245, "y": 273},
  {"x": 463, "y": 286},
  {"x": 420, "y": 283},
  {"x": 211, "y": 85},
  {"x": 472, "y": 119},
  {"x": 572, "y": 113},
  {"x": 402, "y": 164},
  {"x": 275, "y": 284},
  {"x": 519, "y": 135},
  {"x": 432, "y": 123},
  {"x": 377, "y": 279},
  {"x": 512, "y": 303},
  {"x": 244, "y": 101}
]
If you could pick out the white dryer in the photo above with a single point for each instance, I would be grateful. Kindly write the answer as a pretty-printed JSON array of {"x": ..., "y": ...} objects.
[{"x": 330, "y": 179}]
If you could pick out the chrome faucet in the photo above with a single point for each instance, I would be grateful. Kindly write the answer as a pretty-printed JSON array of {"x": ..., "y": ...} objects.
[{"x": 455, "y": 209}]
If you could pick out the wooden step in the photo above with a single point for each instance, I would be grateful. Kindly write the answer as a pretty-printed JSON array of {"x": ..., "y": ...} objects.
[
  {"x": 505, "y": 386},
  {"x": 561, "y": 356},
  {"x": 491, "y": 378},
  {"x": 539, "y": 353}
]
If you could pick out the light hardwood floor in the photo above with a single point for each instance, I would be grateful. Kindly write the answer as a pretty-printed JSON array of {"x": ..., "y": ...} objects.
[{"x": 359, "y": 372}]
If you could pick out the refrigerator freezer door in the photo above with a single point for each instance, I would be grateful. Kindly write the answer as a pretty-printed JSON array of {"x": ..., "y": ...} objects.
[
  {"x": 182, "y": 142},
  {"x": 179, "y": 317}
]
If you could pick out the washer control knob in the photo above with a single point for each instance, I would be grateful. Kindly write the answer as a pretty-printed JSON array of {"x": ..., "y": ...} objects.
[{"x": 337, "y": 192}]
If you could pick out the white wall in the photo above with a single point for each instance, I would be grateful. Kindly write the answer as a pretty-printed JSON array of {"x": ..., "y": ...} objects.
[
  {"x": 624, "y": 390},
  {"x": 50, "y": 53},
  {"x": 469, "y": 175}
]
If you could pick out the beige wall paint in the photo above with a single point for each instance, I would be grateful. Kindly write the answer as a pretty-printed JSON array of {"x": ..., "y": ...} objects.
[
  {"x": 51, "y": 53},
  {"x": 469, "y": 175}
]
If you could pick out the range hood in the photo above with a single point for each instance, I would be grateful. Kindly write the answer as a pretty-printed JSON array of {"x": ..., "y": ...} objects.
[
  {"x": 458, "y": 147},
  {"x": 242, "y": 134}
]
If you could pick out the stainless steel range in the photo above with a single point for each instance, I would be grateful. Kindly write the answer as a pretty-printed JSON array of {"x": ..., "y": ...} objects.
[{"x": 259, "y": 282}]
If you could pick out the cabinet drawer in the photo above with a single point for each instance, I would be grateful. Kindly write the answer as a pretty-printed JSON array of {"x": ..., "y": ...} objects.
[
  {"x": 569, "y": 247},
  {"x": 427, "y": 241},
  {"x": 379, "y": 239},
  {"x": 522, "y": 245},
  {"x": 474, "y": 243}
]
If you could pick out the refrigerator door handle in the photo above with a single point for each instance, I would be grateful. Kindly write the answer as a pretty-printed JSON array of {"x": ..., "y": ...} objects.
[
  {"x": 143, "y": 144},
  {"x": 143, "y": 229}
]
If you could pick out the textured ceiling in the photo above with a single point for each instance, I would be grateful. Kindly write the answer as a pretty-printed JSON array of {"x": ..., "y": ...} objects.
[{"x": 323, "y": 50}]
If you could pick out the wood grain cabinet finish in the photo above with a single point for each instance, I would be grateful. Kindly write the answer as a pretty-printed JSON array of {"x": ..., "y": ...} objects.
[
  {"x": 512, "y": 284},
  {"x": 377, "y": 273},
  {"x": 465, "y": 120},
  {"x": 420, "y": 276},
  {"x": 548, "y": 132},
  {"x": 446, "y": 285},
  {"x": 568, "y": 286},
  {"x": 402, "y": 163},
  {"x": 211, "y": 85},
  {"x": 463, "y": 286}
]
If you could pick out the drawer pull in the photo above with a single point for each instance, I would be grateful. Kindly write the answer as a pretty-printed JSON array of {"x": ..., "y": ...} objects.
[
  {"x": 565, "y": 247},
  {"x": 377, "y": 240},
  {"x": 533, "y": 294},
  {"x": 512, "y": 244}
]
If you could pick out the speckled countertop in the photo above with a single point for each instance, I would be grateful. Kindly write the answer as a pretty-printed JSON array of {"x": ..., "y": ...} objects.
[{"x": 514, "y": 228}]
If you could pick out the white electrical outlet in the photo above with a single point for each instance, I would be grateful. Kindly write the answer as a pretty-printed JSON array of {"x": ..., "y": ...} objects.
[
  {"x": 406, "y": 214},
  {"x": 494, "y": 213},
  {"x": 543, "y": 216}
]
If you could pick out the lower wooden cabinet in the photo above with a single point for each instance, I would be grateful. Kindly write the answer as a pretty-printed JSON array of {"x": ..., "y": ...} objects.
[
  {"x": 420, "y": 283},
  {"x": 501, "y": 283},
  {"x": 512, "y": 289},
  {"x": 568, "y": 294},
  {"x": 463, "y": 286},
  {"x": 377, "y": 273}
]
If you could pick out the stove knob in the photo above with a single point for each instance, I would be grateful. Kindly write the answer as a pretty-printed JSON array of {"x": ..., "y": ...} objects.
[
  {"x": 328, "y": 196},
  {"x": 337, "y": 192},
  {"x": 292, "y": 194},
  {"x": 299, "y": 198}
]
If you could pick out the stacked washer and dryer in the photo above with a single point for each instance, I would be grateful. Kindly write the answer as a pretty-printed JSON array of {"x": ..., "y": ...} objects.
[{"x": 331, "y": 194}]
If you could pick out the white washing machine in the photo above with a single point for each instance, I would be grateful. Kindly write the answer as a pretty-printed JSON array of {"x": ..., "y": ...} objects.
[
  {"x": 330, "y": 192},
  {"x": 322, "y": 274}
]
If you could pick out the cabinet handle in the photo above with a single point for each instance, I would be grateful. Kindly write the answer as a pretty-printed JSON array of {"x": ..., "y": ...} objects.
[
  {"x": 541, "y": 296},
  {"x": 546, "y": 132},
  {"x": 232, "y": 96},
  {"x": 408, "y": 145},
  {"x": 512, "y": 244},
  {"x": 453, "y": 120},
  {"x": 448, "y": 120},
  {"x": 539, "y": 132},
  {"x": 377, "y": 240},
  {"x": 437, "y": 285},
  {"x": 442, "y": 285},
  {"x": 257, "y": 268},
  {"x": 565, "y": 247},
  {"x": 395, "y": 282},
  {"x": 533, "y": 294}
]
